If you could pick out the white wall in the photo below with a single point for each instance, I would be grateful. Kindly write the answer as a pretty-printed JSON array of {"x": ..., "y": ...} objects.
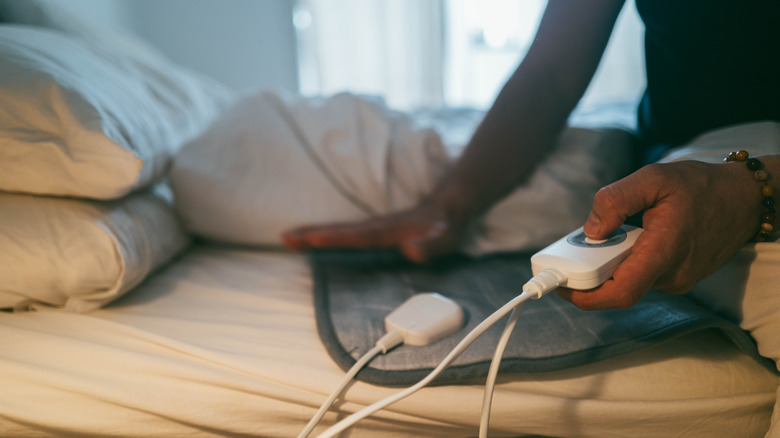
[{"x": 245, "y": 44}]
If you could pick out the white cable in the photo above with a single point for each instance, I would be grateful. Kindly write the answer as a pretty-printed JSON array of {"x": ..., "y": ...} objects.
[
  {"x": 383, "y": 345},
  {"x": 540, "y": 285},
  {"x": 490, "y": 383}
]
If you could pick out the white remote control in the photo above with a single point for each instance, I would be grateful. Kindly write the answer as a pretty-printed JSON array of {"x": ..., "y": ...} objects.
[{"x": 586, "y": 263}]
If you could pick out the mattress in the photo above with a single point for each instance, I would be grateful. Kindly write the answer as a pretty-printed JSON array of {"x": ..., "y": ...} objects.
[{"x": 223, "y": 342}]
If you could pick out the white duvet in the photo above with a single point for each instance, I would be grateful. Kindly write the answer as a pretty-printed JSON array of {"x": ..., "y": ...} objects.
[{"x": 276, "y": 161}]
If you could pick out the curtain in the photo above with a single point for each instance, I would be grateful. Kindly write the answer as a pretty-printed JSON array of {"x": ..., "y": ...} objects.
[{"x": 442, "y": 53}]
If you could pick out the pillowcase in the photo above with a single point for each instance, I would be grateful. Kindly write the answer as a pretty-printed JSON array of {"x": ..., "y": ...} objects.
[
  {"x": 79, "y": 255},
  {"x": 92, "y": 119},
  {"x": 745, "y": 289}
]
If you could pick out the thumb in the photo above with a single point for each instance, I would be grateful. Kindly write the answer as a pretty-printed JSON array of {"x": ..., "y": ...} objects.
[{"x": 614, "y": 203}]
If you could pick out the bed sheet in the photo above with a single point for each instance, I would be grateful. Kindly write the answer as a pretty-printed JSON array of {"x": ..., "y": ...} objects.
[{"x": 223, "y": 343}]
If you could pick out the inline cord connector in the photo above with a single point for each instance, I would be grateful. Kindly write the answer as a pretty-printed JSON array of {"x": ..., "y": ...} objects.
[
  {"x": 545, "y": 281},
  {"x": 540, "y": 285}
]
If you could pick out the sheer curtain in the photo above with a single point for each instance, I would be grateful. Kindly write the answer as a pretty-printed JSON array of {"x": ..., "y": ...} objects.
[
  {"x": 391, "y": 48},
  {"x": 442, "y": 53}
]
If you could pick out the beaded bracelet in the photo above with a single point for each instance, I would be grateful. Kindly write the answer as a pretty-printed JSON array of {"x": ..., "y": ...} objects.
[{"x": 760, "y": 175}]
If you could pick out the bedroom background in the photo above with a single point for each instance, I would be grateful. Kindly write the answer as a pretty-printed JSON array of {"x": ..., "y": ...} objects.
[
  {"x": 163, "y": 335},
  {"x": 428, "y": 54}
]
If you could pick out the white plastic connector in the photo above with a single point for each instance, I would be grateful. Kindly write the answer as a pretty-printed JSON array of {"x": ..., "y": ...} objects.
[
  {"x": 544, "y": 282},
  {"x": 390, "y": 340},
  {"x": 425, "y": 318}
]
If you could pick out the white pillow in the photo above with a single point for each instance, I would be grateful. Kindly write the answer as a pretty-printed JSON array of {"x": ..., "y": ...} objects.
[
  {"x": 91, "y": 119},
  {"x": 80, "y": 255},
  {"x": 745, "y": 289}
]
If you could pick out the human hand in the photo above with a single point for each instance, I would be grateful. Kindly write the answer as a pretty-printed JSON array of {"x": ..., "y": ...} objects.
[
  {"x": 420, "y": 234},
  {"x": 696, "y": 215}
]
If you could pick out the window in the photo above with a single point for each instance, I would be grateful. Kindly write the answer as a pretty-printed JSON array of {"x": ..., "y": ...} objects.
[{"x": 442, "y": 53}]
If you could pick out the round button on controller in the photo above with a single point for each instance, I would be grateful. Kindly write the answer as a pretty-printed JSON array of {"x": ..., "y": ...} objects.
[
  {"x": 580, "y": 239},
  {"x": 590, "y": 241}
]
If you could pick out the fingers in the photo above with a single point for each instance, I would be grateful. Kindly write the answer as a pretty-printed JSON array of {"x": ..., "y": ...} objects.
[
  {"x": 614, "y": 203},
  {"x": 372, "y": 233},
  {"x": 419, "y": 237},
  {"x": 637, "y": 274}
]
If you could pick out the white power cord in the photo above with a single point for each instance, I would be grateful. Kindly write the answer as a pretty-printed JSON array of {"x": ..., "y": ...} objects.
[
  {"x": 540, "y": 285},
  {"x": 389, "y": 341},
  {"x": 490, "y": 383},
  {"x": 421, "y": 320}
]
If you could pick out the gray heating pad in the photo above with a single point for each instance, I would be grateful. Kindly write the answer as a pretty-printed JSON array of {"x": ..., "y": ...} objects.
[{"x": 355, "y": 290}]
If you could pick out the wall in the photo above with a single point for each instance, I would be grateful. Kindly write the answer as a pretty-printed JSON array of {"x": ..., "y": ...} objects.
[
  {"x": 246, "y": 44},
  {"x": 243, "y": 43}
]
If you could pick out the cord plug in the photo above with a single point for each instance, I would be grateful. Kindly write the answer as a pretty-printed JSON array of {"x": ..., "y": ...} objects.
[
  {"x": 425, "y": 318},
  {"x": 544, "y": 282}
]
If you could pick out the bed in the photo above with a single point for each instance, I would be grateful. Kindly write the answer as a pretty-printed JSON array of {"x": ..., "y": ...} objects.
[{"x": 146, "y": 293}]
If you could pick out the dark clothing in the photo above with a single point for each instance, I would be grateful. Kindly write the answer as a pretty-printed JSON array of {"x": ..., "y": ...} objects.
[{"x": 710, "y": 63}]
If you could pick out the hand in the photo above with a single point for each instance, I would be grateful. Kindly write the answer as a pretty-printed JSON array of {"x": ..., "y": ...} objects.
[
  {"x": 696, "y": 215},
  {"x": 420, "y": 234}
]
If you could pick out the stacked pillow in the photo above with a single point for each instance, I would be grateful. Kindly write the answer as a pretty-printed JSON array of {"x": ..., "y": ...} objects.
[{"x": 87, "y": 132}]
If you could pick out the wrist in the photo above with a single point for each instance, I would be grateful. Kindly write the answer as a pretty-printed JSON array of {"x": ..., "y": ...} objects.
[
  {"x": 758, "y": 182},
  {"x": 461, "y": 203}
]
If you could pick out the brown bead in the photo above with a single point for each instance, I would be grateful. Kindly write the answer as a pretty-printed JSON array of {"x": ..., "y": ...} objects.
[
  {"x": 760, "y": 175},
  {"x": 732, "y": 156},
  {"x": 767, "y": 217},
  {"x": 742, "y": 155},
  {"x": 767, "y": 191},
  {"x": 766, "y": 227}
]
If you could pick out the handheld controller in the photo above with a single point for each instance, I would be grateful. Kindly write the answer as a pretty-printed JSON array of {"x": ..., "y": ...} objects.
[{"x": 587, "y": 263}]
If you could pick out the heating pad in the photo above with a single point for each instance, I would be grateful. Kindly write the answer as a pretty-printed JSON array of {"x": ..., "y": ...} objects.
[{"x": 355, "y": 290}]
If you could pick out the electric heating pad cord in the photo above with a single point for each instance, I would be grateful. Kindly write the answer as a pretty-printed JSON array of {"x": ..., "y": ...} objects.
[{"x": 541, "y": 284}]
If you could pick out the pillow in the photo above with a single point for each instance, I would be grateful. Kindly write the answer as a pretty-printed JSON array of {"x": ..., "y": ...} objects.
[
  {"x": 90, "y": 119},
  {"x": 79, "y": 255},
  {"x": 272, "y": 162},
  {"x": 745, "y": 289},
  {"x": 58, "y": 15}
]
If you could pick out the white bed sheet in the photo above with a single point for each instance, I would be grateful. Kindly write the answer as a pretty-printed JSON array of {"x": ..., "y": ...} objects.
[{"x": 223, "y": 343}]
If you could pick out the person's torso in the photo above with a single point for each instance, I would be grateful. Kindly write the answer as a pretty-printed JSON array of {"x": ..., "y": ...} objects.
[{"x": 710, "y": 63}]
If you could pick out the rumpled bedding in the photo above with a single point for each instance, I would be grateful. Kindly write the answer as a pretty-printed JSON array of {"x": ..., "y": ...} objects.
[{"x": 274, "y": 161}]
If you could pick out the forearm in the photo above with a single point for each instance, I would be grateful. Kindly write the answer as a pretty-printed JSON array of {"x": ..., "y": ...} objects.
[
  {"x": 532, "y": 108},
  {"x": 515, "y": 135}
]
